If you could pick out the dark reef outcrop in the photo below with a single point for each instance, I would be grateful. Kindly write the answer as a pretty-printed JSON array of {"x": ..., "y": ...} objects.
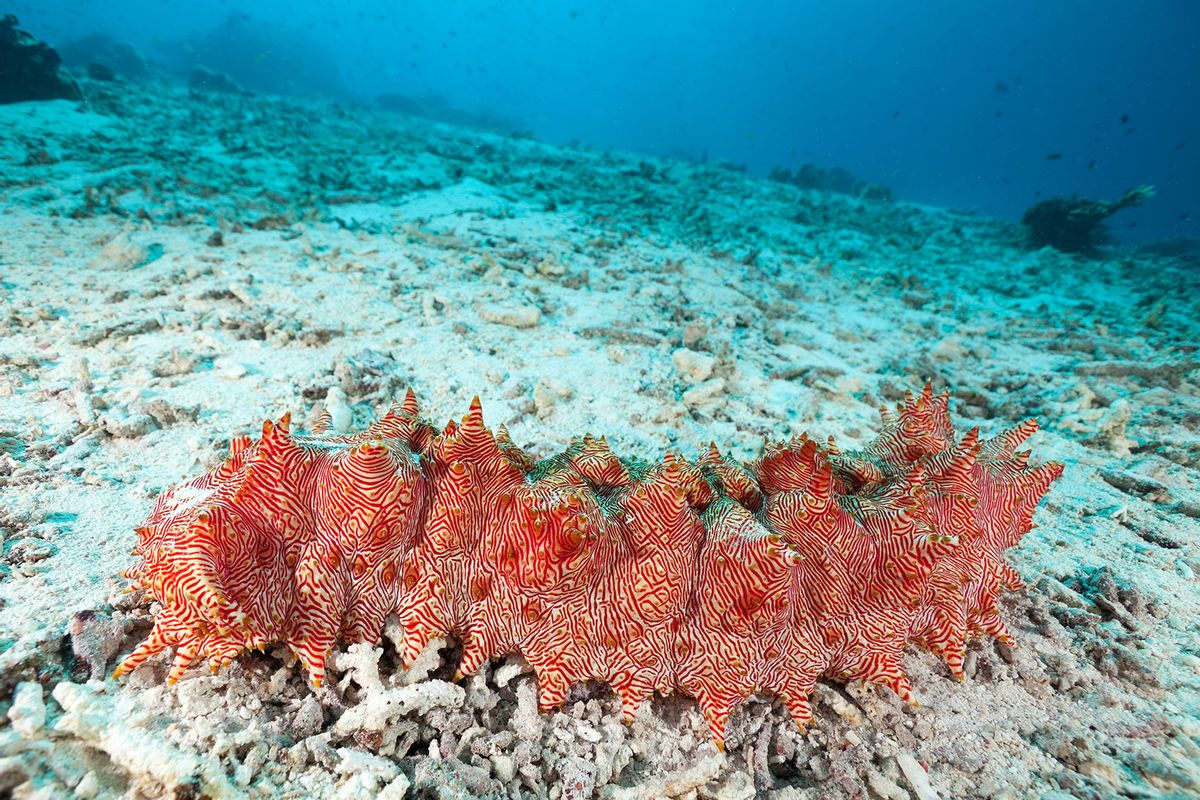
[
  {"x": 30, "y": 69},
  {"x": 1076, "y": 224}
]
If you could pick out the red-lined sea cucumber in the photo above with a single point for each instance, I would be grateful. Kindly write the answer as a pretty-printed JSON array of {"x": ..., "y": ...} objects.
[{"x": 709, "y": 578}]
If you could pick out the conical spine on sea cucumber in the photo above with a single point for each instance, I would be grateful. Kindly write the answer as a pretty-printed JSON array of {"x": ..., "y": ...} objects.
[{"x": 709, "y": 578}]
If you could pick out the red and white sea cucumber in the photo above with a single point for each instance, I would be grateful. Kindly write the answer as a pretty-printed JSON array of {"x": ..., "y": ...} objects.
[{"x": 709, "y": 578}]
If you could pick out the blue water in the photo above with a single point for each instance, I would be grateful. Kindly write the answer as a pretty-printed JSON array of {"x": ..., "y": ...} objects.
[{"x": 986, "y": 107}]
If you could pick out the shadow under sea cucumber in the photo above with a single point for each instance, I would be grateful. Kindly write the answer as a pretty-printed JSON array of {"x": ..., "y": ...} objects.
[{"x": 710, "y": 578}]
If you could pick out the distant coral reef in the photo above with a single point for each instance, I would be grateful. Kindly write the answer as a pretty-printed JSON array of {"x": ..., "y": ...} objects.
[
  {"x": 207, "y": 80},
  {"x": 437, "y": 108},
  {"x": 97, "y": 52},
  {"x": 834, "y": 179},
  {"x": 258, "y": 57}
]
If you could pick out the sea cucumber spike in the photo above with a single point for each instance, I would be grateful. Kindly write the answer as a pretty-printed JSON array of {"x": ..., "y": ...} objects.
[
  {"x": 185, "y": 653},
  {"x": 629, "y": 708},
  {"x": 899, "y": 684},
  {"x": 953, "y": 656},
  {"x": 1009, "y": 578},
  {"x": 474, "y": 654},
  {"x": 153, "y": 645},
  {"x": 552, "y": 688},
  {"x": 312, "y": 651},
  {"x": 708, "y": 578},
  {"x": 276, "y": 441},
  {"x": 716, "y": 708},
  {"x": 369, "y": 465},
  {"x": 473, "y": 421},
  {"x": 1003, "y": 445},
  {"x": 1037, "y": 481},
  {"x": 799, "y": 708},
  {"x": 409, "y": 406},
  {"x": 950, "y": 470},
  {"x": 393, "y": 414},
  {"x": 416, "y": 636},
  {"x": 786, "y": 468},
  {"x": 927, "y": 394},
  {"x": 324, "y": 424},
  {"x": 820, "y": 486},
  {"x": 971, "y": 440}
]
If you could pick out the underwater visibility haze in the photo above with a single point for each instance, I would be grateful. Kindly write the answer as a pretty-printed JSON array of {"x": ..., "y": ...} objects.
[{"x": 617, "y": 400}]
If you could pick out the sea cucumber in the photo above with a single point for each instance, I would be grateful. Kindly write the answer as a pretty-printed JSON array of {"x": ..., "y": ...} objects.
[{"x": 709, "y": 578}]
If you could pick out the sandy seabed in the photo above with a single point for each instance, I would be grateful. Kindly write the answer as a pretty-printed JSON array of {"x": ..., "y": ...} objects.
[{"x": 176, "y": 268}]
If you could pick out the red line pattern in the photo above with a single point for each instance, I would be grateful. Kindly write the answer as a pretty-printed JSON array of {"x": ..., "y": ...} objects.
[{"x": 710, "y": 578}]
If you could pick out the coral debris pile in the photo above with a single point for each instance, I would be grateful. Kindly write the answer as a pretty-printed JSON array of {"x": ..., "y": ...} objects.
[{"x": 710, "y": 578}]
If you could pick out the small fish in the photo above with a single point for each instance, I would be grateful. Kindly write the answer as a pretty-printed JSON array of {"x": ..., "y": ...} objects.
[
  {"x": 1001, "y": 87},
  {"x": 1184, "y": 217},
  {"x": 1092, "y": 164},
  {"x": 1056, "y": 156},
  {"x": 1124, "y": 119}
]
